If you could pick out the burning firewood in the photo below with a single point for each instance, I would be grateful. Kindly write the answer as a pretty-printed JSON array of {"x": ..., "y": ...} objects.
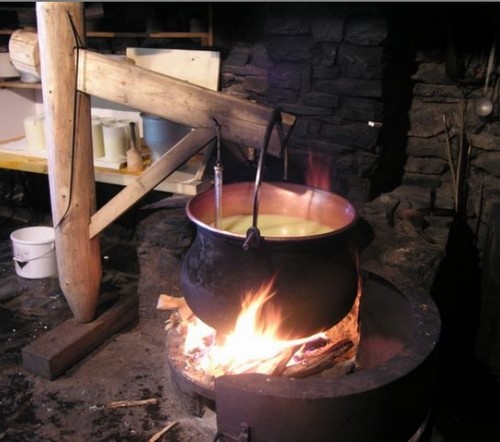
[
  {"x": 280, "y": 367},
  {"x": 167, "y": 302},
  {"x": 312, "y": 365},
  {"x": 202, "y": 357},
  {"x": 181, "y": 313},
  {"x": 273, "y": 366}
]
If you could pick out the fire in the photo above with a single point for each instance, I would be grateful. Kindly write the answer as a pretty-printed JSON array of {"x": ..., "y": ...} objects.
[
  {"x": 254, "y": 344},
  {"x": 317, "y": 172}
]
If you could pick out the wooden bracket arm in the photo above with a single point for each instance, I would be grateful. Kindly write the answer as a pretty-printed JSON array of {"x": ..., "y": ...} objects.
[{"x": 151, "y": 177}]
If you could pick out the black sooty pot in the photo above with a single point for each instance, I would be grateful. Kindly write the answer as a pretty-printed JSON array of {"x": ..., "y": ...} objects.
[{"x": 315, "y": 276}]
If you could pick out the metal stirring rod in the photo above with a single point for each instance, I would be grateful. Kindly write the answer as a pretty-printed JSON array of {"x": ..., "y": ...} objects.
[{"x": 218, "y": 169}]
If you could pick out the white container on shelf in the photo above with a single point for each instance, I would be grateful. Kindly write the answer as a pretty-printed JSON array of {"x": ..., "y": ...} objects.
[
  {"x": 115, "y": 142},
  {"x": 97, "y": 137}
]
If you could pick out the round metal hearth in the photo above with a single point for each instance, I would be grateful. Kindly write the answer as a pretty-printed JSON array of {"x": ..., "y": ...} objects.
[{"x": 387, "y": 397}]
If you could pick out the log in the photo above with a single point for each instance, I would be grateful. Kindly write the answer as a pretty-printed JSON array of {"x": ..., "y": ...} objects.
[
  {"x": 280, "y": 367},
  {"x": 316, "y": 364},
  {"x": 70, "y": 168},
  {"x": 24, "y": 52}
]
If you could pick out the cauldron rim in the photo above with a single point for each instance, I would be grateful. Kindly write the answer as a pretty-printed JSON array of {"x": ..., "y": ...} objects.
[{"x": 349, "y": 209}]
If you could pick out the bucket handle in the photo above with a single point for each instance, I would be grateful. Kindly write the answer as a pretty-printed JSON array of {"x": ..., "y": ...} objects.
[
  {"x": 253, "y": 233},
  {"x": 22, "y": 262}
]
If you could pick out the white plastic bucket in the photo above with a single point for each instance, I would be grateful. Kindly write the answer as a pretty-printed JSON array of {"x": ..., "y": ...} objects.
[{"x": 34, "y": 252}]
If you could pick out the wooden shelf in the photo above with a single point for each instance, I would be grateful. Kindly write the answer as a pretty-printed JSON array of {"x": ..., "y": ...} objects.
[
  {"x": 190, "y": 179},
  {"x": 206, "y": 38}
]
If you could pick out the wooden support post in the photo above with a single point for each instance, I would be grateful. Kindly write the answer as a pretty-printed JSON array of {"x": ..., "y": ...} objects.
[{"x": 69, "y": 157}]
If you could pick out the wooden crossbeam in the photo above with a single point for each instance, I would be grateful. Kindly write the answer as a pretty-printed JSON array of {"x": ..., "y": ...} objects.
[
  {"x": 242, "y": 121},
  {"x": 151, "y": 177}
]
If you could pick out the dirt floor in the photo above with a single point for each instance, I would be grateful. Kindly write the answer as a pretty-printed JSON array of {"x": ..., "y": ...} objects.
[{"x": 128, "y": 366}]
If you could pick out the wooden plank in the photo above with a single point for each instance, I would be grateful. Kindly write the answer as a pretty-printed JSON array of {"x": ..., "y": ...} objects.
[
  {"x": 242, "y": 121},
  {"x": 194, "y": 66},
  {"x": 187, "y": 180},
  {"x": 172, "y": 184},
  {"x": 112, "y": 34},
  {"x": 151, "y": 177},
  {"x": 181, "y": 182},
  {"x": 59, "y": 349},
  {"x": 204, "y": 36}
]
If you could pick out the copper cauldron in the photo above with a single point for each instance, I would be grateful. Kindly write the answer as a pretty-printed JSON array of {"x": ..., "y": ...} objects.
[{"x": 315, "y": 275}]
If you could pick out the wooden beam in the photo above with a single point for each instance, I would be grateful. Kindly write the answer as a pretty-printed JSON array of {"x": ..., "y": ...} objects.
[
  {"x": 150, "y": 178},
  {"x": 60, "y": 348},
  {"x": 69, "y": 158},
  {"x": 242, "y": 121}
]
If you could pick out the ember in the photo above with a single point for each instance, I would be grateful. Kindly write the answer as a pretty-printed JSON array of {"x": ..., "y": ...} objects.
[{"x": 254, "y": 345}]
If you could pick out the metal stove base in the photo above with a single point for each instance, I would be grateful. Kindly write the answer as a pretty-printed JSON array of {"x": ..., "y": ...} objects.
[{"x": 388, "y": 398}]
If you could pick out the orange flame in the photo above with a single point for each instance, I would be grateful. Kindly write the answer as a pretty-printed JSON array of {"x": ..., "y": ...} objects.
[
  {"x": 253, "y": 340},
  {"x": 318, "y": 171}
]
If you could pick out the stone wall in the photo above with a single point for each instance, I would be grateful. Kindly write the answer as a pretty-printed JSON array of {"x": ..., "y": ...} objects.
[
  {"x": 325, "y": 65},
  {"x": 445, "y": 129},
  {"x": 341, "y": 69}
]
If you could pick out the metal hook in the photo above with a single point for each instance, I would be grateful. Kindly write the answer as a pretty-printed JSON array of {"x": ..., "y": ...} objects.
[
  {"x": 218, "y": 178},
  {"x": 253, "y": 232}
]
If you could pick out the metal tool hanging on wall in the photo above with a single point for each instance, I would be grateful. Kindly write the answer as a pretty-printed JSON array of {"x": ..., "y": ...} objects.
[{"x": 484, "y": 104}]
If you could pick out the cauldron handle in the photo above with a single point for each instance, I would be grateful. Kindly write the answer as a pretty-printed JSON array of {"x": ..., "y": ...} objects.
[{"x": 253, "y": 233}]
